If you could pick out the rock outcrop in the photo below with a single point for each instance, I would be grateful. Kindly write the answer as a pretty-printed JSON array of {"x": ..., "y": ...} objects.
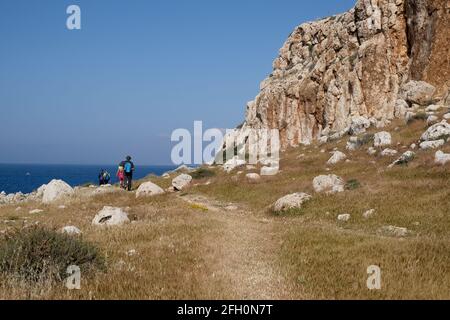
[{"x": 339, "y": 75}]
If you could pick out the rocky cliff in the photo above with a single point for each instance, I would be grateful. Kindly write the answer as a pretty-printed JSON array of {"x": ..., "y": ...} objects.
[{"x": 345, "y": 73}]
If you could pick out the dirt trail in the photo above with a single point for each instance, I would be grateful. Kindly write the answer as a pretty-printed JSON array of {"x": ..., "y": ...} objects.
[{"x": 244, "y": 257}]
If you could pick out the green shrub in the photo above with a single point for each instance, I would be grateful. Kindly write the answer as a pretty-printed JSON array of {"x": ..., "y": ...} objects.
[
  {"x": 202, "y": 173},
  {"x": 352, "y": 184},
  {"x": 37, "y": 254}
]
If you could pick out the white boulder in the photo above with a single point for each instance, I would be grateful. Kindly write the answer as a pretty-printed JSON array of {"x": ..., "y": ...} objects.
[
  {"x": 269, "y": 171},
  {"x": 359, "y": 125},
  {"x": 148, "y": 189},
  {"x": 71, "y": 230},
  {"x": 344, "y": 217},
  {"x": 389, "y": 153},
  {"x": 337, "y": 157},
  {"x": 328, "y": 183},
  {"x": 110, "y": 216},
  {"x": 56, "y": 190},
  {"x": 233, "y": 163},
  {"x": 382, "y": 139},
  {"x": 437, "y": 131},
  {"x": 181, "y": 182},
  {"x": 292, "y": 201},
  {"x": 441, "y": 158},
  {"x": 253, "y": 177},
  {"x": 427, "y": 145},
  {"x": 407, "y": 157}
]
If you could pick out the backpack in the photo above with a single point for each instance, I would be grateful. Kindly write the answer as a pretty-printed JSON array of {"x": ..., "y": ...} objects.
[{"x": 128, "y": 167}]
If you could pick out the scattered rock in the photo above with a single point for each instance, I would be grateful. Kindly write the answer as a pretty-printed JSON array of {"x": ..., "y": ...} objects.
[
  {"x": 253, "y": 177},
  {"x": 418, "y": 92},
  {"x": 148, "y": 189},
  {"x": 369, "y": 214},
  {"x": 181, "y": 182},
  {"x": 328, "y": 183},
  {"x": 447, "y": 116},
  {"x": 269, "y": 171},
  {"x": 437, "y": 131},
  {"x": 344, "y": 217},
  {"x": 233, "y": 163},
  {"x": 433, "y": 108},
  {"x": 393, "y": 231},
  {"x": 441, "y": 158},
  {"x": 337, "y": 157},
  {"x": 110, "y": 216},
  {"x": 382, "y": 139},
  {"x": 291, "y": 201},
  {"x": 413, "y": 146},
  {"x": 36, "y": 211},
  {"x": 432, "y": 120},
  {"x": 427, "y": 145},
  {"x": 406, "y": 158},
  {"x": 56, "y": 190},
  {"x": 389, "y": 153},
  {"x": 371, "y": 151},
  {"x": 71, "y": 230}
]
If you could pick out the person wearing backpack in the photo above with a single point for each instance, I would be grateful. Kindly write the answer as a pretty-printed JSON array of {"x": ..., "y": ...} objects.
[{"x": 128, "y": 168}]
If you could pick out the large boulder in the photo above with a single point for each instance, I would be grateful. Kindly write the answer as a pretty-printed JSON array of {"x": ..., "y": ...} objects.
[
  {"x": 337, "y": 157},
  {"x": 359, "y": 125},
  {"x": 148, "y": 189},
  {"x": 436, "y": 132},
  {"x": 56, "y": 190},
  {"x": 181, "y": 182},
  {"x": 292, "y": 201},
  {"x": 418, "y": 92},
  {"x": 382, "y": 139},
  {"x": 110, "y": 216},
  {"x": 269, "y": 171},
  {"x": 441, "y": 158},
  {"x": 329, "y": 184}
]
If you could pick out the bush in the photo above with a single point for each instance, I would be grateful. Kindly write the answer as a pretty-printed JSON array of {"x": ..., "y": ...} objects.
[
  {"x": 202, "y": 173},
  {"x": 352, "y": 184},
  {"x": 37, "y": 254}
]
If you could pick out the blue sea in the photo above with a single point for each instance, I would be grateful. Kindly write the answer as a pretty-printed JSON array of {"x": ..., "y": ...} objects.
[{"x": 28, "y": 177}]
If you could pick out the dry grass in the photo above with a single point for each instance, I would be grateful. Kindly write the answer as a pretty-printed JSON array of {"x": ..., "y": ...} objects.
[{"x": 189, "y": 247}]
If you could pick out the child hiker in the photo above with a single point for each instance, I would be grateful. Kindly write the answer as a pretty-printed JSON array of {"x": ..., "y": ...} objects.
[{"x": 121, "y": 176}]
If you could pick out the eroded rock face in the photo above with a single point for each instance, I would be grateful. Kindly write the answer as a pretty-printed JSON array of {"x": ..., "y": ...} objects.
[{"x": 340, "y": 74}]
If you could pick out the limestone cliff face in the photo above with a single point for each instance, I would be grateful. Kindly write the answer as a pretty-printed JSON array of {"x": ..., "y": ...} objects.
[{"x": 350, "y": 68}]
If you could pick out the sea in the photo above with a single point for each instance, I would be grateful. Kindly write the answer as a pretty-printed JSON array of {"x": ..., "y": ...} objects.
[{"x": 28, "y": 177}]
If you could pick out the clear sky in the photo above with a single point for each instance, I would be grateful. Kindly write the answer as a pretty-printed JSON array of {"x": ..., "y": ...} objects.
[{"x": 137, "y": 70}]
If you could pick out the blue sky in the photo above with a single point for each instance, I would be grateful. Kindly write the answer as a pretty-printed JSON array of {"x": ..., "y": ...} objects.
[{"x": 136, "y": 71}]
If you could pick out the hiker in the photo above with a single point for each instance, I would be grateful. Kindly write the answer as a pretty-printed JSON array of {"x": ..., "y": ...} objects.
[
  {"x": 128, "y": 168},
  {"x": 101, "y": 179},
  {"x": 121, "y": 176}
]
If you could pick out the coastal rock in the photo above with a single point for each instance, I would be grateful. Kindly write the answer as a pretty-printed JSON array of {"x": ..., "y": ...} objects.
[
  {"x": 181, "y": 182},
  {"x": 292, "y": 201},
  {"x": 148, "y": 189},
  {"x": 56, "y": 190},
  {"x": 371, "y": 62},
  {"x": 110, "y": 216},
  {"x": 328, "y": 183}
]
